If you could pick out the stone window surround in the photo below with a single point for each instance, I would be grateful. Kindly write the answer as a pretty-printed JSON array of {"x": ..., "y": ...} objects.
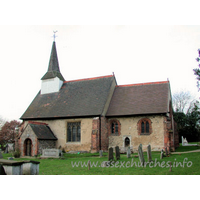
[
  {"x": 110, "y": 127},
  {"x": 73, "y": 142},
  {"x": 139, "y": 126}
]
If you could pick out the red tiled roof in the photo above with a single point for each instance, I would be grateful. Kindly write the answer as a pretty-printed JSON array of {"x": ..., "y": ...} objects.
[{"x": 136, "y": 99}]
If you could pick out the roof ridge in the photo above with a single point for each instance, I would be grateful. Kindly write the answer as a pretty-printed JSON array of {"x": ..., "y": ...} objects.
[
  {"x": 85, "y": 79},
  {"x": 140, "y": 84}
]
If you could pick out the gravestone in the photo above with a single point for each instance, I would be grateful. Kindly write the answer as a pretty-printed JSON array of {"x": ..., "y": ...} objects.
[
  {"x": 128, "y": 152},
  {"x": 110, "y": 154},
  {"x": 140, "y": 154},
  {"x": 1, "y": 156},
  {"x": 161, "y": 154},
  {"x": 6, "y": 149},
  {"x": 166, "y": 152},
  {"x": 10, "y": 147},
  {"x": 182, "y": 138},
  {"x": 185, "y": 141},
  {"x": 100, "y": 153},
  {"x": 10, "y": 158},
  {"x": 117, "y": 153},
  {"x": 50, "y": 153},
  {"x": 149, "y": 157}
]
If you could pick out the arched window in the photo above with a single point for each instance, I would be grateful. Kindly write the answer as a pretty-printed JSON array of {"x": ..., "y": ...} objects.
[
  {"x": 144, "y": 127},
  {"x": 115, "y": 127}
]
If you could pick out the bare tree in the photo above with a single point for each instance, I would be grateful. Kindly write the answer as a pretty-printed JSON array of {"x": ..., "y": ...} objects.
[
  {"x": 2, "y": 121},
  {"x": 183, "y": 102}
]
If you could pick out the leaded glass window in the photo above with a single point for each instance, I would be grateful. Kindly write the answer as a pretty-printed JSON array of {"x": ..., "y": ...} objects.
[{"x": 74, "y": 132}]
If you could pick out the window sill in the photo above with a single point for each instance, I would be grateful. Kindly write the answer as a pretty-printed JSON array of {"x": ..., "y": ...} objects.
[
  {"x": 73, "y": 142},
  {"x": 145, "y": 134}
]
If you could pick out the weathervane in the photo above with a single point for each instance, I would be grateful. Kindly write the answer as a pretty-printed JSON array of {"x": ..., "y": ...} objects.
[{"x": 54, "y": 35}]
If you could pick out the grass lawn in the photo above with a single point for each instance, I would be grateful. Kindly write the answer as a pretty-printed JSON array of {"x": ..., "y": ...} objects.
[{"x": 125, "y": 166}]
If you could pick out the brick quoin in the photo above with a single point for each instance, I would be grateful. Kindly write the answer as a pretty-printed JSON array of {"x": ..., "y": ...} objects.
[
  {"x": 104, "y": 134},
  {"x": 95, "y": 135},
  {"x": 36, "y": 146},
  {"x": 98, "y": 143}
]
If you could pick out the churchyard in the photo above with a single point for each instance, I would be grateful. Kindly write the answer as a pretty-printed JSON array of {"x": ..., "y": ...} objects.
[{"x": 152, "y": 163}]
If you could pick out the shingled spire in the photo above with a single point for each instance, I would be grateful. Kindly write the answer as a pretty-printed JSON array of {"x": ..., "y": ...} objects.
[
  {"x": 52, "y": 81},
  {"x": 53, "y": 68}
]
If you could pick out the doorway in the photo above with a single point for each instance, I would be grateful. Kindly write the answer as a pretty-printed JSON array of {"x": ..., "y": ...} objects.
[
  {"x": 127, "y": 142},
  {"x": 28, "y": 147}
]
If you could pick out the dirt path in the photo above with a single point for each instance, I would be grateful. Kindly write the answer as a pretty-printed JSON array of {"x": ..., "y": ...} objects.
[{"x": 198, "y": 150}]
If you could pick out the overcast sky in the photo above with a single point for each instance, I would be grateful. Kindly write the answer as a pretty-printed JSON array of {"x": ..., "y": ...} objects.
[{"x": 135, "y": 54}]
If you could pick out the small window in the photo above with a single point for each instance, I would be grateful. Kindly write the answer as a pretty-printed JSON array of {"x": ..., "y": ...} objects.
[
  {"x": 114, "y": 127},
  {"x": 144, "y": 127},
  {"x": 74, "y": 132}
]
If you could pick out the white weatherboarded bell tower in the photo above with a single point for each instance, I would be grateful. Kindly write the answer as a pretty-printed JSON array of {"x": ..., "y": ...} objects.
[{"x": 52, "y": 81}]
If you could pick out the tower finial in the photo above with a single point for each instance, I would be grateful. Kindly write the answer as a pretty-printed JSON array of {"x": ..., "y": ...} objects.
[{"x": 54, "y": 35}]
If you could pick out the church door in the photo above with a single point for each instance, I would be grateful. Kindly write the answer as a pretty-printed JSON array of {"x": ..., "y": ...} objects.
[
  {"x": 28, "y": 147},
  {"x": 127, "y": 142}
]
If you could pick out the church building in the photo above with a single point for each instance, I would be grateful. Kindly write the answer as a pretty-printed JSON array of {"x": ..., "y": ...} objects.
[{"x": 96, "y": 113}]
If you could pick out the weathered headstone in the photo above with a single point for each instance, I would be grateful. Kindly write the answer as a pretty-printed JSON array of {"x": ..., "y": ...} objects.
[
  {"x": 2, "y": 171},
  {"x": 149, "y": 157},
  {"x": 161, "y": 154},
  {"x": 128, "y": 152},
  {"x": 1, "y": 156},
  {"x": 6, "y": 149},
  {"x": 182, "y": 138},
  {"x": 10, "y": 158},
  {"x": 117, "y": 153},
  {"x": 166, "y": 152},
  {"x": 185, "y": 142},
  {"x": 50, "y": 153},
  {"x": 10, "y": 147},
  {"x": 110, "y": 154},
  {"x": 140, "y": 154},
  {"x": 100, "y": 153}
]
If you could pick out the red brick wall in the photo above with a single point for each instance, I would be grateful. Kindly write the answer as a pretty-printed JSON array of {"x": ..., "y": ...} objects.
[
  {"x": 176, "y": 135},
  {"x": 171, "y": 137},
  {"x": 167, "y": 142},
  {"x": 98, "y": 143},
  {"x": 95, "y": 135}
]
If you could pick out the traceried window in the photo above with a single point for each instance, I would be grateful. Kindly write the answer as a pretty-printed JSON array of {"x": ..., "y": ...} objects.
[
  {"x": 74, "y": 132},
  {"x": 115, "y": 128},
  {"x": 144, "y": 127}
]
